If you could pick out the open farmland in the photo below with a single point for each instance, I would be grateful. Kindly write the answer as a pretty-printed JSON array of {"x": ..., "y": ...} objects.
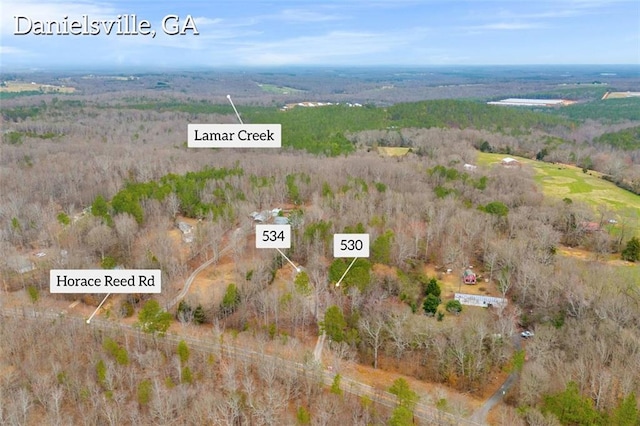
[
  {"x": 618, "y": 95},
  {"x": 17, "y": 87},
  {"x": 281, "y": 90},
  {"x": 566, "y": 181}
]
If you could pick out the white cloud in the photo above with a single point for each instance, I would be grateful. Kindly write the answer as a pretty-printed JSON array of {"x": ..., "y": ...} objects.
[
  {"x": 557, "y": 10},
  {"x": 505, "y": 26},
  {"x": 9, "y": 50},
  {"x": 513, "y": 16},
  {"x": 204, "y": 21},
  {"x": 549, "y": 14},
  {"x": 332, "y": 47},
  {"x": 302, "y": 15}
]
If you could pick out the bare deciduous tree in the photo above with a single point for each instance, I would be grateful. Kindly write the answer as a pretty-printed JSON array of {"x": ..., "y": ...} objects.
[{"x": 372, "y": 328}]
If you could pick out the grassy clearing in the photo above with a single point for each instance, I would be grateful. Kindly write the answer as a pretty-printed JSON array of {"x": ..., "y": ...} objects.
[
  {"x": 16, "y": 87},
  {"x": 631, "y": 273},
  {"x": 280, "y": 90},
  {"x": 565, "y": 181},
  {"x": 393, "y": 151}
]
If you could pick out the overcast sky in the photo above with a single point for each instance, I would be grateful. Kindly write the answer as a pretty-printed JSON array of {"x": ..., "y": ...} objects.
[{"x": 344, "y": 33}]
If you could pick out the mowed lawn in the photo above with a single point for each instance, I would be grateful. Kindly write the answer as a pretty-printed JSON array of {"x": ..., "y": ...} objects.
[{"x": 564, "y": 181}]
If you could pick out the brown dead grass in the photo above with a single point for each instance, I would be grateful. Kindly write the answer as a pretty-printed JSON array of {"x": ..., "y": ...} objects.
[
  {"x": 384, "y": 271},
  {"x": 452, "y": 283},
  {"x": 495, "y": 415},
  {"x": 393, "y": 151},
  {"x": 209, "y": 286},
  {"x": 15, "y": 87},
  {"x": 589, "y": 256},
  {"x": 429, "y": 392}
]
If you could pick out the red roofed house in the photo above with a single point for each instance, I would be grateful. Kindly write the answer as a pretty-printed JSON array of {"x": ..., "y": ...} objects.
[{"x": 469, "y": 277}]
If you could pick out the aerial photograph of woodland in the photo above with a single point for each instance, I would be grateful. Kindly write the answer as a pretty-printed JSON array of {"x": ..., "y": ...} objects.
[{"x": 488, "y": 151}]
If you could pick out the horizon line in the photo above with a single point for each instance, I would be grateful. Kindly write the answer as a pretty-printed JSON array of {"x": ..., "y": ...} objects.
[{"x": 157, "y": 68}]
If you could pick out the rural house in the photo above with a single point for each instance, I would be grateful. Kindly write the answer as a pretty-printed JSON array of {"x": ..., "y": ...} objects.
[
  {"x": 469, "y": 277},
  {"x": 184, "y": 227}
]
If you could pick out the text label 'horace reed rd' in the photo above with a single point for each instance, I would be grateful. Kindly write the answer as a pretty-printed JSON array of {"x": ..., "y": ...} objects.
[
  {"x": 105, "y": 281},
  {"x": 234, "y": 136}
]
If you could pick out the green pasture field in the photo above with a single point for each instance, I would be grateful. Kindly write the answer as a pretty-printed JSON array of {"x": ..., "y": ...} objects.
[
  {"x": 565, "y": 181},
  {"x": 281, "y": 90},
  {"x": 627, "y": 273}
]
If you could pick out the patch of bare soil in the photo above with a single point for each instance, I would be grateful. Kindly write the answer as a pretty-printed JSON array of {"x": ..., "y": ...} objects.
[
  {"x": 429, "y": 392},
  {"x": 496, "y": 415},
  {"x": 452, "y": 282},
  {"x": 284, "y": 278},
  {"x": 209, "y": 286}
]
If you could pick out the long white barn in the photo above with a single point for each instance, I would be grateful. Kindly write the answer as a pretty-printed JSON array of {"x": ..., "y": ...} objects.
[{"x": 530, "y": 102}]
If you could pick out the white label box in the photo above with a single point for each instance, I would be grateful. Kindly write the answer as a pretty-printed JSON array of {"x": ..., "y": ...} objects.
[
  {"x": 350, "y": 245},
  {"x": 234, "y": 136},
  {"x": 273, "y": 236},
  {"x": 117, "y": 281}
]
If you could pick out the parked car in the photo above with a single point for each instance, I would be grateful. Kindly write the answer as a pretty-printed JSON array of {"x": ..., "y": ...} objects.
[{"x": 526, "y": 334}]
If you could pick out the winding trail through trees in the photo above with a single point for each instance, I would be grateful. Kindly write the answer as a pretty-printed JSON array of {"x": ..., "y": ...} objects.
[
  {"x": 317, "y": 351},
  {"x": 188, "y": 282},
  {"x": 194, "y": 274}
]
